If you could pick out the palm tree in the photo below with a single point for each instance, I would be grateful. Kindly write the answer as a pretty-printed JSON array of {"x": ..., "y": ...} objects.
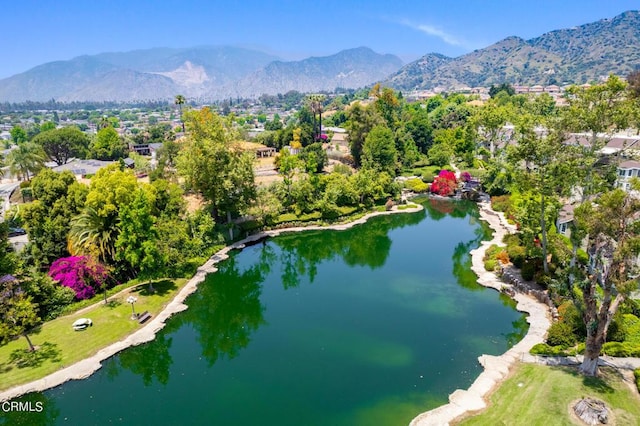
[
  {"x": 27, "y": 157},
  {"x": 180, "y": 100},
  {"x": 93, "y": 234},
  {"x": 315, "y": 104},
  {"x": 104, "y": 122}
]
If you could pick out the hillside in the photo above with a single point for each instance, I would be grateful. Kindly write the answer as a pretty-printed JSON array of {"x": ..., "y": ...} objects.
[
  {"x": 576, "y": 55},
  {"x": 202, "y": 73}
]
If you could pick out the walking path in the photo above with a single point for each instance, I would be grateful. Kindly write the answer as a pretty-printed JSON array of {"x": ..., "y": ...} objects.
[{"x": 85, "y": 368}]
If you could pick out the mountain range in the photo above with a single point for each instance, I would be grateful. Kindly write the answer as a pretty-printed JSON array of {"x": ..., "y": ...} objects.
[
  {"x": 567, "y": 56},
  {"x": 200, "y": 73}
]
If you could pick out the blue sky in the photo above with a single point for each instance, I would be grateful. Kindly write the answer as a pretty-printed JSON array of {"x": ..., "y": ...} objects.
[{"x": 35, "y": 32}]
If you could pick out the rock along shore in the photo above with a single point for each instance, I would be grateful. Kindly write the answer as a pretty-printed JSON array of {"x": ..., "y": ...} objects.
[
  {"x": 86, "y": 367},
  {"x": 496, "y": 368}
]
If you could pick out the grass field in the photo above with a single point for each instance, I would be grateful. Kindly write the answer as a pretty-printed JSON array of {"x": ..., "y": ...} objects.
[
  {"x": 541, "y": 395},
  {"x": 60, "y": 346}
]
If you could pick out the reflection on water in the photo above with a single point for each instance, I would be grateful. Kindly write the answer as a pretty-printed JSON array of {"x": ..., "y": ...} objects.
[{"x": 380, "y": 321}]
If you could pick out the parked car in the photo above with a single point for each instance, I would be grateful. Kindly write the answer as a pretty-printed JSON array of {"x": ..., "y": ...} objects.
[{"x": 14, "y": 232}]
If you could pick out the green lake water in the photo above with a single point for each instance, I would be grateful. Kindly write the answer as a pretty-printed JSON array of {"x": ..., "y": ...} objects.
[{"x": 369, "y": 326}]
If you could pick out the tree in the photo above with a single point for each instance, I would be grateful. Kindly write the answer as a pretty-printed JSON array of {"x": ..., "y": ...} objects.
[
  {"x": 503, "y": 87},
  {"x": 266, "y": 206},
  {"x": 598, "y": 110},
  {"x": 361, "y": 120},
  {"x": 7, "y": 256},
  {"x": 18, "y": 135},
  {"x": 489, "y": 121},
  {"x": 379, "y": 150},
  {"x": 58, "y": 197},
  {"x": 17, "y": 312},
  {"x": 180, "y": 100},
  {"x": 95, "y": 231},
  {"x": 27, "y": 158},
  {"x": 314, "y": 157},
  {"x": 60, "y": 145},
  {"x": 387, "y": 104},
  {"x": 543, "y": 166},
  {"x": 211, "y": 166},
  {"x": 137, "y": 238},
  {"x": 613, "y": 245},
  {"x": 107, "y": 145},
  {"x": 316, "y": 106},
  {"x": 421, "y": 129}
]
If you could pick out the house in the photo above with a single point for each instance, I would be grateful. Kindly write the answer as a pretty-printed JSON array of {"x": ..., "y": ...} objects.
[
  {"x": 82, "y": 168},
  {"x": 619, "y": 144},
  {"x": 565, "y": 217},
  {"x": 626, "y": 171}
]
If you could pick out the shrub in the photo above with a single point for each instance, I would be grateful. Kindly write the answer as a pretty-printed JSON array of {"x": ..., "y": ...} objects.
[
  {"x": 618, "y": 328},
  {"x": 636, "y": 374},
  {"x": 445, "y": 184},
  {"x": 416, "y": 185},
  {"x": 623, "y": 349},
  {"x": 542, "y": 279},
  {"x": 465, "y": 177},
  {"x": 561, "y": 334},
  {"x": 503, "y": 257},
  {"x": 516, "y": 254},
  {"x": 79, "y": 273},
  {"x": 491, "y": 264},
  {"x": 528, "y": 270},
  {"x": 501, "y": 203},
  {"x": 544, "y": 349}
]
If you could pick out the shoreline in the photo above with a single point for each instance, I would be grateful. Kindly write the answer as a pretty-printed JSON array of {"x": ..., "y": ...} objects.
[
  {"x": 496, "y": 368},
  {"x": 85, "y": 368}
]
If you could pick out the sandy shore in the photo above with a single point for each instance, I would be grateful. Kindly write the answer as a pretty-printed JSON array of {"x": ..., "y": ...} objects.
[
  {"x": 496, "y": 368},
  {"x": 86, "y": 367}
]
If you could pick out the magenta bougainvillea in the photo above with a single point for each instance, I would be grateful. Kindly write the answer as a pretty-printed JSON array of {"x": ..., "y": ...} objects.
[
  {"x": 445, "y": 183},
  {"x": 465, "y": 177},
  {"x": 80, "y": 273}
]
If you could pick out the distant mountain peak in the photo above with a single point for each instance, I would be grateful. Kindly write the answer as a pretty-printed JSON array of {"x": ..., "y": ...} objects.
[
  {"x": 187, "y": 74},
  {"x": 206, "y": 72},
  {"x": 577, "y": 55}
]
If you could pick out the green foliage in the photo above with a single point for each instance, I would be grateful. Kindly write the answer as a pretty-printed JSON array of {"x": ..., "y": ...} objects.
[
  {"x": 224, "y": 176},
  {"x": 528, "y": 270},
  {"x": 60, "y": 145},
  {"x": 107, "y": 145},
  {"x": 379, "y": 151},
  {"x": 516, "y": 254},
  {"x": 491, "y": 264},
  {"x": 561, "y": 334},
  {"x": 545, "y": 349},
  {"x": 416, "y": 185},
  {"x": 621, "y": 349},
  {"x": 440, "y": 154},
  {"x": 503, "y": 87},
  {"x": 57, "y": 199},
  {"x": 136, "y": 243}
]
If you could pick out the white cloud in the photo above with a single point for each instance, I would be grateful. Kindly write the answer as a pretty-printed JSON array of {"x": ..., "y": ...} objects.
[{"x": 436, "y": 32}]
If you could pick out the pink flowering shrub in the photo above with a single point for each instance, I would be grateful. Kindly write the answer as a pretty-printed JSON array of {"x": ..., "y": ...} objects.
[
  {"x": 465, "y": 177},
  {"x": 445, "y": 183},
  {"x": 80, "y": 273}
]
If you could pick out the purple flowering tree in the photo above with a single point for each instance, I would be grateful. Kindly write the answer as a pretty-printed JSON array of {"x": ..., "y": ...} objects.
[{"x": 81, "y": 274}]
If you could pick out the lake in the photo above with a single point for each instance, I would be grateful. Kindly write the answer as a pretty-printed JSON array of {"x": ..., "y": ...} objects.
[{"x": 372, "y": 325}]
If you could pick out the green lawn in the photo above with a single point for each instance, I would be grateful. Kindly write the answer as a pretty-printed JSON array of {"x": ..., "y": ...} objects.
[
  {"x": 60, "y": 346},
  {"x": 541, "y": 395}
]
